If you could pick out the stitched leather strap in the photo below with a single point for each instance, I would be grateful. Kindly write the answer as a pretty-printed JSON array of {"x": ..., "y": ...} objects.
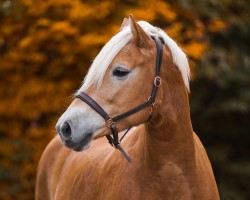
[
  {"x": 93, "y": 104},
  {"x": 157, "y": 80},
  {"x": 132, "y": 111}
]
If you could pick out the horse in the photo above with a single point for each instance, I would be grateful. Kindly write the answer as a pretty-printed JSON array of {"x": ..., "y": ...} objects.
[{"x": 141, "y": 79}]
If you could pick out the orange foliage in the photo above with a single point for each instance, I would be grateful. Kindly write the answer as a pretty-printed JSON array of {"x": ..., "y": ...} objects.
[
  {"x": 195, "y": 49},
  {"x": 217, "y": 25}
]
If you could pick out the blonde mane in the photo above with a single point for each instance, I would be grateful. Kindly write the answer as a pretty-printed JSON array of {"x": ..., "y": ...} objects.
[{"x": 110, "y": 50}]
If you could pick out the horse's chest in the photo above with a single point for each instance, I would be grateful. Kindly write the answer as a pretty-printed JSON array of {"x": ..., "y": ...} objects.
[
  {"x": 145, "y": 184},
  {"x": 127, "y": 183}
]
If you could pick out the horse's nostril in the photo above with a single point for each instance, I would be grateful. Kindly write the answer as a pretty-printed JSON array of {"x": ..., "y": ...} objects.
[{"x": 66, "y": 131}]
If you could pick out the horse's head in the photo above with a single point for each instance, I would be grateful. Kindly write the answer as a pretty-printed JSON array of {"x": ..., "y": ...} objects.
[{"x": 119, "y": 79}]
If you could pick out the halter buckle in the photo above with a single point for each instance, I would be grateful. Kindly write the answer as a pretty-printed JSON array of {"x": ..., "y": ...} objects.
[
  {"x": 157, "y": 81},
  {"x": 110, "y": 122},
  {"x": 152, "y": 108},
  {"x": 149, "y": 98}
]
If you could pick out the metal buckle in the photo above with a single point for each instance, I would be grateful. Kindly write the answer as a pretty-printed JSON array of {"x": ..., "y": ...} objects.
[
  {"x": 149, "y": 98},
  {"x": 110, "y": 122},
  {"x": 157, "y": 81},
  {"x": 152, "y": 108}
]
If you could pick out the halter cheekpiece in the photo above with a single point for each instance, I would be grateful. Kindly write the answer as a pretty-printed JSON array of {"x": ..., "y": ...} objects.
[{"x": 111, "y": 121}]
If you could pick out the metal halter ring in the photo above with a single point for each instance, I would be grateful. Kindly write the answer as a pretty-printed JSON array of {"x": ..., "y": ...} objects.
[
  {"x": 110, "y": 122},
  {"x": 157, "y": 81},
  {"x": 149, "y": 98}
]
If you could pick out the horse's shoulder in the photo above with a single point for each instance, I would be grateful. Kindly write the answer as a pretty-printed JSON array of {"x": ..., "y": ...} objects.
[
  {"x": 54, "y": 152},
  {"x": 50, "y": 166}
]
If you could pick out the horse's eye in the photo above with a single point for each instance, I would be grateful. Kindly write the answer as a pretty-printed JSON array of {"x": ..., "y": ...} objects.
[{"x": 120, "y": 72}]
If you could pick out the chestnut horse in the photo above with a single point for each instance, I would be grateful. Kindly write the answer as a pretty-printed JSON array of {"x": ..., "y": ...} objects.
[{"x": 147, "y": 80}]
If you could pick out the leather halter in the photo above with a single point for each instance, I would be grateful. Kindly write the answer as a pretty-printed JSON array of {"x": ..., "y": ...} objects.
[{"x": 150, "y": 102}]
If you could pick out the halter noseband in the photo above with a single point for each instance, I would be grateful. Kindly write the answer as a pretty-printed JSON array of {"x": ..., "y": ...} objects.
[{"x": 111, "y": 121}]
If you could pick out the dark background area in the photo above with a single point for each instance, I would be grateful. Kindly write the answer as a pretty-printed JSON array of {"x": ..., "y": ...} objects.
[{"x": 47, "y": 46}]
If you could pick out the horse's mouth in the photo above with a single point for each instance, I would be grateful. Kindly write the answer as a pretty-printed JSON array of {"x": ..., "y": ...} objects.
[{"x": 83, "y": 144}]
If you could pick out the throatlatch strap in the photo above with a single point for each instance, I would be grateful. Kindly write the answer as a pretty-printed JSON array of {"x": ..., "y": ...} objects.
[{"x": 124, "y": 134}]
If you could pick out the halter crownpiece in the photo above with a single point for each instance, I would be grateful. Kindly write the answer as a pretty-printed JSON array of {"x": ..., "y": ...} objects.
[{"x": 111, "y": 121}]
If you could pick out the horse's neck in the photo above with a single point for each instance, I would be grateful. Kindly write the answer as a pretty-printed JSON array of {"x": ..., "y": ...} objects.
[{"x": 169, "y": 136}]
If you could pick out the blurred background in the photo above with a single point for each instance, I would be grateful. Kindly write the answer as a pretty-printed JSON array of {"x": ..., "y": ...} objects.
[{"x": 46, "y": 47}]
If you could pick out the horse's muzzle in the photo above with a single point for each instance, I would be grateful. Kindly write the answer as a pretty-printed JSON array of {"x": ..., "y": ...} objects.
[{"x": 66, "y": 133}]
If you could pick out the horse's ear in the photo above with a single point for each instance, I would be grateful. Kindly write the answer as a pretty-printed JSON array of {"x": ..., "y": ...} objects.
[
  {"x": 139, "y": 37},
  {"x": 124, "y": 23}
]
